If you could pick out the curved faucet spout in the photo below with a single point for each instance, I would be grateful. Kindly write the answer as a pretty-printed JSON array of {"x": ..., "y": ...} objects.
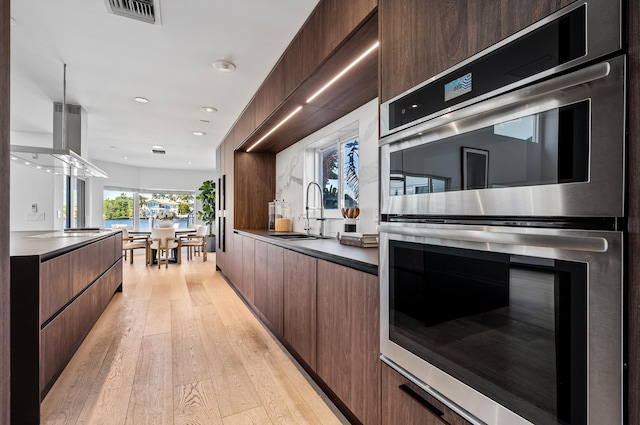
[{"x": 321, "y": 219}]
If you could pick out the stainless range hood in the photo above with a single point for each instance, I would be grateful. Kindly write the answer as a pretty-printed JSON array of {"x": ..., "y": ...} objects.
[
  {"x": 55, "y": 161},
  {"x": 64, "y": 157}
]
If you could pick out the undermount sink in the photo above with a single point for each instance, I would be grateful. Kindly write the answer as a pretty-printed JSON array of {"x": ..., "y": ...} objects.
[{"x": 297, "y": 236}]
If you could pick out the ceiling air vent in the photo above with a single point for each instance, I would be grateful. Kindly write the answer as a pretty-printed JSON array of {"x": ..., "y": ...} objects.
[
  {"x": 159, "y": 151},
  {"x": 142, "y": 10}
]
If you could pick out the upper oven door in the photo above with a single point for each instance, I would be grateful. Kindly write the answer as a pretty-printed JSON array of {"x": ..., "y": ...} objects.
[{"x": 554, "y": 149}]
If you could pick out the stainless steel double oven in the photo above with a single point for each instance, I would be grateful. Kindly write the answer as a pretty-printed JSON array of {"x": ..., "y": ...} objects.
[{"x": 502, "y": 226}]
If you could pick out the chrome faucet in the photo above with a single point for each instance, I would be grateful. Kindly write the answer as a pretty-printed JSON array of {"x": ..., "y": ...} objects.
[{"x": 307, "y": 226}]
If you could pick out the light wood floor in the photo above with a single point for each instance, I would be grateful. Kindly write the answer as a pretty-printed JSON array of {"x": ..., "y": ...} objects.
[{"x": 178, "y": 346}]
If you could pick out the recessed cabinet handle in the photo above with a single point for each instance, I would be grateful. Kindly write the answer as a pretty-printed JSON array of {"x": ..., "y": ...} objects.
[{"x": 417, "y": 397}]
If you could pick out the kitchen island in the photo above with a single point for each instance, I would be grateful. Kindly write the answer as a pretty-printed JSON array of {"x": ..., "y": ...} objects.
[{"x": 60, "y": 284}]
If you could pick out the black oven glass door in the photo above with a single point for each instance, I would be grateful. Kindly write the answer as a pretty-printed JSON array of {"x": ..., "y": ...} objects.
[
  {"x": 512, "y": 327},
  {"x": 550, "y": 147}
]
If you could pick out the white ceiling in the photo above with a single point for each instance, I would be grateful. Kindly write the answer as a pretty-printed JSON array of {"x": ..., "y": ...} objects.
[{"x": 111, "y": 59}]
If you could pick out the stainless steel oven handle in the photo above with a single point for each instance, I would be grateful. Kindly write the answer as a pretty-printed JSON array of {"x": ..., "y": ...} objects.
[
  {"x": 564, "y": 242},
  {"x": 582, "y": 76}
]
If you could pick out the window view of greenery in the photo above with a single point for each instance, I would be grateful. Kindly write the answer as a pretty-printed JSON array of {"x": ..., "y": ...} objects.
[
  {"x": 331, "y": 174},
  {"x": 119, "y": 209}
]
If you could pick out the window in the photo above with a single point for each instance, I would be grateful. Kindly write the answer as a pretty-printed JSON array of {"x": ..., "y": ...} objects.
[
  {"x": 338, "y": 174},
  {"x": 138, "y": 209},
  {"x": 73, "y": 204}
]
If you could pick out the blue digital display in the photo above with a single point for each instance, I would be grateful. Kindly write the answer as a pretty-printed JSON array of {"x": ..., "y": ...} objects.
[{"x": 457, "y": 87}]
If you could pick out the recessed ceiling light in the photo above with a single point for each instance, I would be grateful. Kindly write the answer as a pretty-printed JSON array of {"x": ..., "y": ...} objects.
[
  {"x": 157, "y": 147},
  {"x": 125, "y": 157},
  {"x": 209, "y": 109},
  {"x": 141, "y": 99},
  {"x": 224, "y": 66},
  {"x": 189, "y": 162},
  {"x": 199, "y": 133}
]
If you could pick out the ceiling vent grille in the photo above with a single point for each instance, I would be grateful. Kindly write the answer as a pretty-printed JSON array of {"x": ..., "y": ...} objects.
[{"x": 142, "y": 10}]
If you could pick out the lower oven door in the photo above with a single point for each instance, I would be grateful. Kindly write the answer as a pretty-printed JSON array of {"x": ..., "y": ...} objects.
[{"x": 507, "y": 325}]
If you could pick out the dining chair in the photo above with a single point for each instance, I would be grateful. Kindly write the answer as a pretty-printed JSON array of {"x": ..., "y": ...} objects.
[
  {"x": 163, "y": 239},
  {"x": 131, "y": 243},
  {"x": 196, "y": 242}
]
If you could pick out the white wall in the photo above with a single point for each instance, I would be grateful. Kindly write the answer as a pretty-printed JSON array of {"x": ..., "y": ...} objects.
[
  {"x": 292, "y": 178},
  {"x": 29, "y": 186}
]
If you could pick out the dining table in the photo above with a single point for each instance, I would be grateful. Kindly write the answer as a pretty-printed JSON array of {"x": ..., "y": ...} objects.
[{"x": 179, "y": 232}]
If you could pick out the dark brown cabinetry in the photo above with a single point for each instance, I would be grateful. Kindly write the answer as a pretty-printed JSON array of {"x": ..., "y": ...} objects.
[
  {"x": 326, "y": 313},
  {"x": 248, "y": 269},
  {"x": 273, "y": 310},
  {"x": 403, "y": 402},
  {"x": 268, "y": 289},
  {"x": 260, "y": 278},
  {"x": 420, "y": 39},
  {"x": 300, "y": 305},
  {"x": 55, "y": 301},
  {"x": 349, "y": 337}
]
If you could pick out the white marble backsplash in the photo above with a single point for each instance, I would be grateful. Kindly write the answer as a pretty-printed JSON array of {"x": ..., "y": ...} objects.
[{"x": 292, "y": 177}]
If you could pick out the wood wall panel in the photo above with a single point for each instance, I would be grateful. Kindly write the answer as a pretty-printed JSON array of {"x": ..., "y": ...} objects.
[
  {"x": 248, "y": 268},
  {"x": 348, "y": 341},
  {"x": 55, "y": 285},
  {"x": 300, "y": 305},
  {"x": 255, "y": 180},
  {"x": 482, "y": 31},
  {"x": 634, "y": 212},
  {"x": 5, "y": 330},
  {"x": 245, "y": 124},
  {"x": 270, "y": 94},
  {"x": 420, "y": 39},
  {"x": 292, "y": 64}
]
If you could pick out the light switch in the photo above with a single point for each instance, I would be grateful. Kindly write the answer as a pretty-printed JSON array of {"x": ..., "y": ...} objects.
[{"x": 34, "y": 208}]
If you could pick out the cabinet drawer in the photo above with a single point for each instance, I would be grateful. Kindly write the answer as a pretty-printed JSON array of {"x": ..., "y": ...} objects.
[{"x": 403, "y": 402}]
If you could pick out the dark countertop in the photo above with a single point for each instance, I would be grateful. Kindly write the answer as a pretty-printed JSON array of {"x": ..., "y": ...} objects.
[
  {"x": 330, "y": 249},
  {"x": 49, "y": 244}
]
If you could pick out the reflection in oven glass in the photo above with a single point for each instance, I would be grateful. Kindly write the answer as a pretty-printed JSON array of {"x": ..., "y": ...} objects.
[
  {"x": 510, "y": 327},
  {"x": 547, "y": 148}
]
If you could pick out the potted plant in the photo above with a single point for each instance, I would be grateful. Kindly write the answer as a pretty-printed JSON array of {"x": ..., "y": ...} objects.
[{"x": 207, "y": 198}]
